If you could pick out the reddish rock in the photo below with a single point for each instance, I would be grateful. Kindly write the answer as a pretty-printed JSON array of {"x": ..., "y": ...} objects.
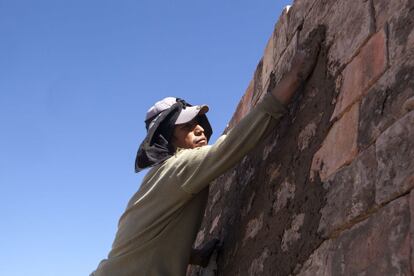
[
  {"x": 339, "y": 147},
  {"x": 274, "y": 49},
  {"x": 362, "y": 72},
  {"x": 395, "y": 155},
  {"x": 351, "y": 194},
  {"x": 280, "y": 35}
]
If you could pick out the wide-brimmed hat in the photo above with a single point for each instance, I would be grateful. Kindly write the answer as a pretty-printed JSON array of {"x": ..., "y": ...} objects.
[
  {"x": 160, "y": 121},
  {"x": 187, "y": 113}
]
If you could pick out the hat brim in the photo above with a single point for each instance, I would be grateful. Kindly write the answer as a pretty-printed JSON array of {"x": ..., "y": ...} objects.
[{"x": 190, "y": 112}]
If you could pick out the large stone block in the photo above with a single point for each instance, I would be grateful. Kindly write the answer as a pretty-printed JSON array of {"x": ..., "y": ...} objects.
[
  {"x": 339, "y": 147},
  {"x": 362, "y": 72},
  {"x": 350, "y": 24},
  {"x": 385, "y": 100},
  {"x": 296, "y": 15},
  {"x": 379, "y": 245},
  {"x": 400, "y": 28},
  {"x": 280, "y": 34},
  {"x": 395, "y": 155},
  {"x": 341, "y": 19},
  {"x": 274, "y": 48},
  {"x": 351, "y": 194},
  {"x": 386, "y": 10}
]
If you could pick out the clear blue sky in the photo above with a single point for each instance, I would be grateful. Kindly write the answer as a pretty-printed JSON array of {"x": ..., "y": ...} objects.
[{"x": 76, "y": 78}]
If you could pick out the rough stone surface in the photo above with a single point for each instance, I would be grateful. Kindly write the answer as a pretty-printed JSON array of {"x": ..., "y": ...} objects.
[
  {"x": 362, "y": 72},
  {"x": 257, "y": 265},
  {"x": 253, "y": 227},
  {"x": 376, "y": 246},
  {"x": 306, "y": 135},
  {"x": 395, "y": 155},
  {"x": 384, "y": 103},
  {"x": 351, "y": 194},
  {"x": 386, "y": 10},
  {"x": 379, "y": 245},
  {"x": 320, "y": 261},
  {"x": 355, "y": 215},
  {"x": 292, "y": 234},
  {"x": 344, "y": 38},
  {"x": 401, "y": 33},
  {"x": 339, "y": 147}
]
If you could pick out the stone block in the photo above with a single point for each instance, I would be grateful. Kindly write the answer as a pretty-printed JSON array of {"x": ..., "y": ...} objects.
[
  {"x": 268, "y": 62},
  {"x": 351, "y": 23},
  {"x": 339, "y": 147},
  {"x": 296, "y": 15},
  {"x": 341, "y": 19},
  {"x": 362, "y": 72},
  {"x": 274, "y": 48},
  {"x": 280, "y": 35},
  {"x": 351, "y": 194},
  {"x": 386, "y": 10},
  {"x": 380, "y": 245},
  {"x": 384, "y": 103},
  {"x": 395, "y": 155}
]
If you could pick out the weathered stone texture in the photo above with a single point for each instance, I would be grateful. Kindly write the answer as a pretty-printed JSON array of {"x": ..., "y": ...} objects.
[
  {"x": 341, "y": 19},
  {"x": 330, "y": 191},
  {"x": 351, "y": 194},
  {"x": 379, "y": 245},
  {"x": 362, "y": 72},
  {"x": 401, "y": 32},
  {"x": 384, "y": 102},
  {"x": 376, "y": 246},
  {"x": 339, "y": 147},
  {"x": 395, "y": 155}
]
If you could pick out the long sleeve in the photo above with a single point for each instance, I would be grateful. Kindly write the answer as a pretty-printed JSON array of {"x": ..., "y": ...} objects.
[{"x": 196, "y": 168}]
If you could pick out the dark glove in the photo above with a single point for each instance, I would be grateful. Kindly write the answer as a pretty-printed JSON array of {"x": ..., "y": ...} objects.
[{"x": 202, "y": 256}]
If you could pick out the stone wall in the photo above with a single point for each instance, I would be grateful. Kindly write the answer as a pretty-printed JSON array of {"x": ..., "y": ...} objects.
[{"x": 329, "y": 192}]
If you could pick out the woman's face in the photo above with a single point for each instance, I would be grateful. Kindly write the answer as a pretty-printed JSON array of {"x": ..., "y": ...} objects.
[{"x": 189, "y": 135}]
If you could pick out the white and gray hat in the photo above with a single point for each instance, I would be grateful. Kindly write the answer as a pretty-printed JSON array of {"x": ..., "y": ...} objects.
[
  {"x": 187, "y": 114},
  {"x": 159, "y": 122}
]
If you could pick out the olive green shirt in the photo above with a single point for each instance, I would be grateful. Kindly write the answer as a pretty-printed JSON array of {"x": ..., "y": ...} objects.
[{"x": 158, "y": 228}]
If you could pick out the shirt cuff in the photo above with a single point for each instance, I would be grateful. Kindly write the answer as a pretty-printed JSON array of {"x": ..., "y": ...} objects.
[{"x": 272, "y": 106}]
